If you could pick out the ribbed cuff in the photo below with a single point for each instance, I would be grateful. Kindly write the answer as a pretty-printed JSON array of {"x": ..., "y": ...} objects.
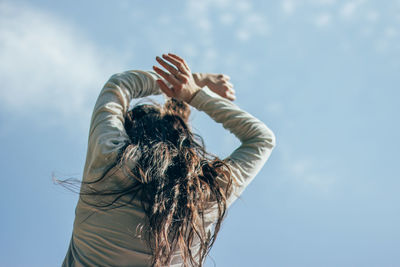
[{"x": 201, "y": 96}]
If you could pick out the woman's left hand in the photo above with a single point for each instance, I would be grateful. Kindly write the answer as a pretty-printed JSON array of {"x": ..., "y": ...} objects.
[{"x": 219, "y": 84}]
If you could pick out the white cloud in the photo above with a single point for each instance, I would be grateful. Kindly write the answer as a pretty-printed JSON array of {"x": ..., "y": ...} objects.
[
  {"x": 311, "y": 173},
  {"x": 372, "y": 16},
  {"x": 323, "y": 20},
  {"x": 324, "y": 2},
  {"x": 190, "y": 50},
  {"x": 207, "y": 17},
  {"x": 383, "y": 44},
  {"x": 227, "y": 18},
  {"x": 210, "y": 55},
  {"x": 222, "y": 3},
  {"x": 46, "y": 65},
  {"x": 390, "y": 32},
  {"x": 288, "y": 7},
  {"x": 252, "y": 25},
  {"x": 348, "y": 9},
  {"x": 299, "y": 167},
  {"x": 249, "y": 22},
  {"x": 242, "y": 6},
  {"x": 242, "y": 35},
  {"x": 197, "y": 13},
  {"x": 204, "y": 24}
]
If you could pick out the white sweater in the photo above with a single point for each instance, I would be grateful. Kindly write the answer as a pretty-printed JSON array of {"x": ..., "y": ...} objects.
[{"x": 110, "y": 237}]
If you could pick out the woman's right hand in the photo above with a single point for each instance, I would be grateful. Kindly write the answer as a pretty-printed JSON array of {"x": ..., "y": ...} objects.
[{"x": 180, "y": 77}]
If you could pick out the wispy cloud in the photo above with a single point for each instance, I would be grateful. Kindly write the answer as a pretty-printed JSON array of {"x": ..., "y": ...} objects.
[
  {"x": 197, "y": 12},
  {"x": 323, "y": 2},
  {"x": 249, "y": 22},
  {"x": 252, "y": 25},
  {"x": 323, "y": 20},
  {"x": 390, "y": 32},
  {"x": 206, "y": 19},
  {"x": 47, "y": 65},
  {"x": 309, "y": 173},
  {"x": 364, "y": 17},
  {"x": 372, "y": 16},
  {"x": 227, "y": 19},
  {"x": 288, "y": 6},
  {"x": 349, "y": 8},
  {"x": 314, "y": 174}
]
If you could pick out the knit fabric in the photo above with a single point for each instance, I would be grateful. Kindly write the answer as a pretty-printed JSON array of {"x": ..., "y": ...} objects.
[{"x": 112, "y": 237}]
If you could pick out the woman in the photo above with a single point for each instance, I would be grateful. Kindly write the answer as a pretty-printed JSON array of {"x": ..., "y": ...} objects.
[{"x": 151, "y": 195}]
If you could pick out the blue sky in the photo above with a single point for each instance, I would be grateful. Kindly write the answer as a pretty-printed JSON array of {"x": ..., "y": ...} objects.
[{"x": 322, "y": 74}]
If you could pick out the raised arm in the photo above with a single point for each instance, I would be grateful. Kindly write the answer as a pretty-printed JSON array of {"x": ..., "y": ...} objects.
[
  {"x": 257, "y": 139},
  {"x": 107, "y": 132}
]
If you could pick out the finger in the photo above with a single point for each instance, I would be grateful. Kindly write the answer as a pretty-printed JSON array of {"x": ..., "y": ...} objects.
[
  {"x": 229, "y": 84},
  {"x": 224, "y": 77},
  {"x": 167, "y": 76},
  {"x": 231, "y": 97},
  {"x": 176, "y": 56},
  {"x": 177, "y": 63},
  {"x": 165, "y": 88},
  {"x": 183, "y": 78},
  {"x": 180, "y": 59},
  {"x": 170, "y": 78},
  {"x": 169, "y": 67},
  {"x": 172, "y": 70},
  {"x": 227, "y": 94},
  {"x": 226, "y": 88}
]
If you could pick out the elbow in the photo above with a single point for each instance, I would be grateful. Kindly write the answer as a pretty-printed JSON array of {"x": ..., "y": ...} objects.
[
  {"x": 272, "y": 139},
  {"x": 268, "y": 137},
  {"x": 116, "y": 79}
]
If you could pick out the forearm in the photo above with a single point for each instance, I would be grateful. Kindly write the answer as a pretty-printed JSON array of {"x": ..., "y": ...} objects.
[
  {"x": 136, "y": 83},
  {"x": 107, "y": 131},
  {"x": 242, "y": 124},
  {"x": 257, "y": 140}
]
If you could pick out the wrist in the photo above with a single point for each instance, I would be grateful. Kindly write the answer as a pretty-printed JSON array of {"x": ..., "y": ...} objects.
[{"x": 193, "y": 95}]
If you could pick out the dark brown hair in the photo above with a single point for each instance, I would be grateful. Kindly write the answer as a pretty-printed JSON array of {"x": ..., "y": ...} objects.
[{"x": 174, "y": 177}]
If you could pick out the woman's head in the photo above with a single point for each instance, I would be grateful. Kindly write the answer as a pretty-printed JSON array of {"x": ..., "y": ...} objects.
[
  {"x": 159, "y": 135},
  {"x": 148, "y": 124}
]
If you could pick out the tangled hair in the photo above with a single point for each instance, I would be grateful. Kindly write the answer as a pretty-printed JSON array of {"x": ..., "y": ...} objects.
[{"x": 176, "y": 181}]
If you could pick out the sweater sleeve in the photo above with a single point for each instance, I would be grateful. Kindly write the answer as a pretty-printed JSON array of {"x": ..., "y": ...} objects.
[
  {"x": 107, "y": 133},
  {"x": 257, "y": 140}
]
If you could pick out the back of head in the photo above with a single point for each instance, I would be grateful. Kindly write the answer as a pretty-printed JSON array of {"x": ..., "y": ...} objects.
[{"x": 177, "y": 179}]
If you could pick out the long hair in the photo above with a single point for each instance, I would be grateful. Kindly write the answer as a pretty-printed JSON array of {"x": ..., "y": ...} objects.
[{"x": 175, "y": 178}]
